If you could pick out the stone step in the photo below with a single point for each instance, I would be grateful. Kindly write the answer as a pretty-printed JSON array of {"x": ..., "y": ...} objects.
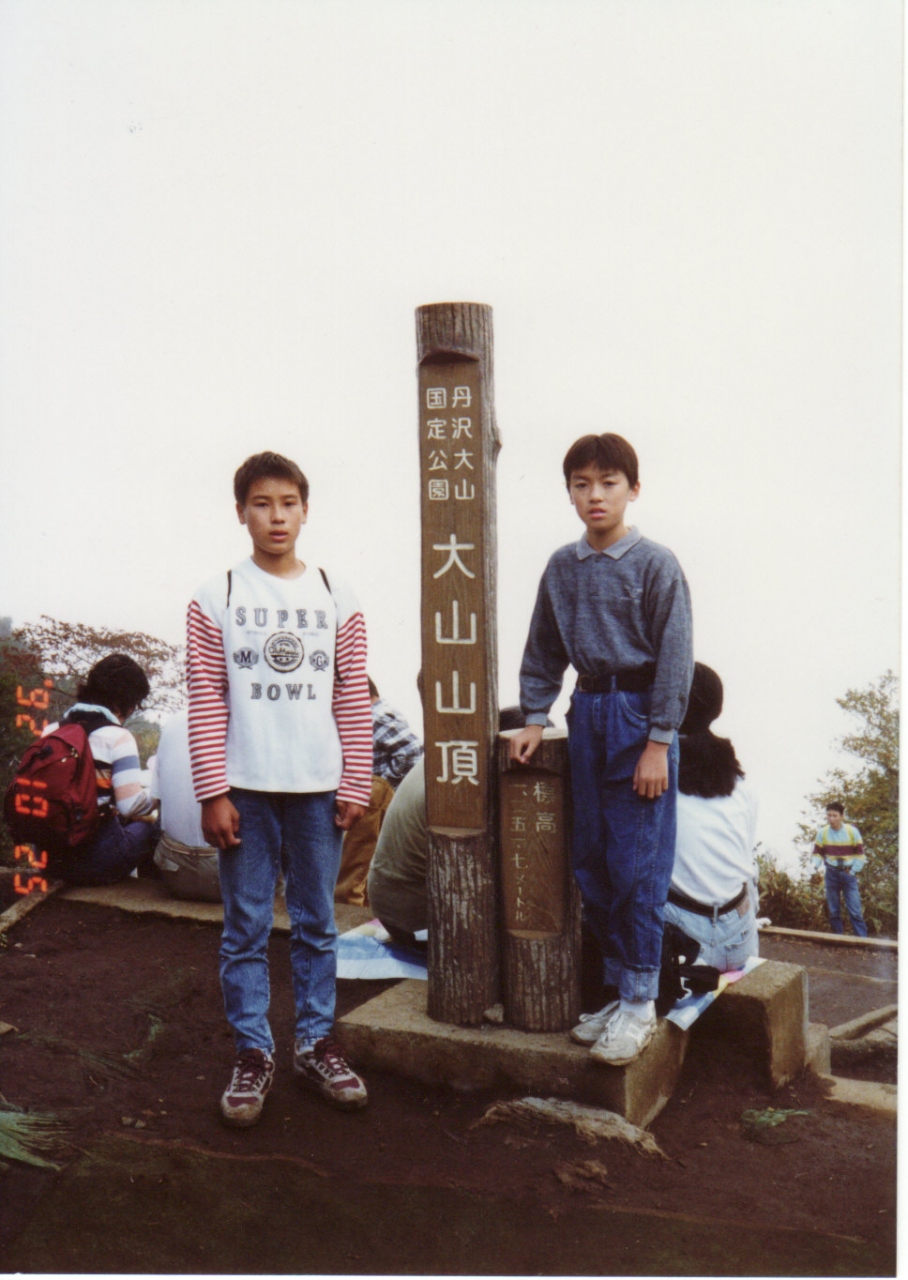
[
  {"x": 766, "y": 1011},
  {"x": 394, "y": 1033}
]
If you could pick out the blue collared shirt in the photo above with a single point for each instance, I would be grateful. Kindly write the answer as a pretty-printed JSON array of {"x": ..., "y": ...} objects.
[{"x": 607, "y": 611}]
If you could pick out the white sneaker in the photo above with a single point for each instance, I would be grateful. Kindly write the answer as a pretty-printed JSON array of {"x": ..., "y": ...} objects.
[
  {"x": 623, "y": 1040},
  {"x": 591, "y": 1025}
]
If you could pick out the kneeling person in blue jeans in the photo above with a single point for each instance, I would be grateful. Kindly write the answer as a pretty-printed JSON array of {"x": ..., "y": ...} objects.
[
  {"x": 617, "y": 608},
  {"x": 111, "y": 693},
  {"x": 280, "y": 736}
]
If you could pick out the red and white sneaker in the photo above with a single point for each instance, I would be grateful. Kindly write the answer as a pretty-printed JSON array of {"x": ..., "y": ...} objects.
[
  {"x": 322, "y": 1067},
  {"x": 244, "y": 1097}
]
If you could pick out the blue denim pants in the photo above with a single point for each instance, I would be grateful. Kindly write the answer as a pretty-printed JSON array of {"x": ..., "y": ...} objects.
[
  {"x": 295, "y": 833},
  {"x": 623, "y": 846},
  {"x": 842, "y": 882},
  {"x": 115, "y": 852},
  {"x": 726, "y": 941}
]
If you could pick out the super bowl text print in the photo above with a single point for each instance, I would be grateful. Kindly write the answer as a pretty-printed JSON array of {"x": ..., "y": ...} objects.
[{"x": 281, "y": 618}]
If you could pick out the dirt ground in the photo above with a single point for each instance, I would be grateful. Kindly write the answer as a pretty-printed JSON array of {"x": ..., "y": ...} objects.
[{"x": 119, "y": 1031}]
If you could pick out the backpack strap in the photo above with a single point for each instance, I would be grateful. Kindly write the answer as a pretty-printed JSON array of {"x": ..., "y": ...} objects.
[
  {"x": 331, "y": 594},
  {"x": 89, "y": 720}
]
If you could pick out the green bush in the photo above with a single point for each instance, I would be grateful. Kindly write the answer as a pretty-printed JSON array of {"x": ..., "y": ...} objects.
[{"x": 790, "y": 903}]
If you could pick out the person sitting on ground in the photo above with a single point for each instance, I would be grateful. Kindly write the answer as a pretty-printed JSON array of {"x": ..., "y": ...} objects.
[
  {"x": 711, "y": 898},
  {"x": 395, "y": 747},
  {"x": 397, "y": 876},
  {"x": 712, "y": 892},
  {"x": 113, "y": 690},
  {"x": 395, "y": 750},
  {"x": 188, "y": 865}
]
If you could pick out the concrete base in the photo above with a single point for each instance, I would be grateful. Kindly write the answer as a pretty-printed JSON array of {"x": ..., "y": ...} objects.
[
  {"x": 766, "y": 1012},
  {"x": 832, "y": 939},
  {"x": 873, "y": 1037},
  {"x": 147, "y": 896},
  {"x": 819, "y": 1049},
  {"x": 870, "y": 1094},
  {"x": 394, "y": 1033}
]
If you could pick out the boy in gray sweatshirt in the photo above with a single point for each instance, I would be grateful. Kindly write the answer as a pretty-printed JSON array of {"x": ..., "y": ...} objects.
[{"x": 616, "y": 607}]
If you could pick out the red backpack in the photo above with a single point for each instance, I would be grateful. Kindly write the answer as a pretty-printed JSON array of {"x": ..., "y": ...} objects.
[{"x": 52, "y": 801}]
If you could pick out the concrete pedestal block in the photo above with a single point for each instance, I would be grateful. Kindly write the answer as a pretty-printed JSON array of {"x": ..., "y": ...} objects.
[
  {"x": 765, "y": 1012},
  {"x": 819, "y": 1049},
  {"x": 394, "y": 1033}
]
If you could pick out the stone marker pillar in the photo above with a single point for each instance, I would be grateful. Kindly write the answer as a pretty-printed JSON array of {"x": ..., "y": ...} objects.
[
  {"x": 541, "y": 902},
  {"x": 458, "y": 447}
]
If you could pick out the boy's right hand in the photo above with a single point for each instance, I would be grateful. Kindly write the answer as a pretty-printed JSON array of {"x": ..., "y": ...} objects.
[
  {"x": 220, "y": 822},
  {"x": 524, "y": 743}
]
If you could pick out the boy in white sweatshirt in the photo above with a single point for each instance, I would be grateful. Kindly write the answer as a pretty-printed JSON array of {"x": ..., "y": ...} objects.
[{"x": 280, "y": 733}]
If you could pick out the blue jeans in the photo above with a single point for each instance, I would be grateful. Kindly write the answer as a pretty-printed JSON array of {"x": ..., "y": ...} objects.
[
  {"x": 839, "y": 881},
  {"x": 624, "y": 846},
  {"x": 295, "y": 833},
  {"x": 726, "y": 942},
  {"x": 116, "y": 850}
]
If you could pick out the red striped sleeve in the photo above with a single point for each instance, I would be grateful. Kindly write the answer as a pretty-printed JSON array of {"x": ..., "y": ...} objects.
[
  {"x": 352, "y": 711},
  {"x": 208, "y": 711}
]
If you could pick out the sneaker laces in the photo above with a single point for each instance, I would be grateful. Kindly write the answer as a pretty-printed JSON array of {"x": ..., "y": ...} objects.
[
  {"x": 327, "y": 1052},
  {"x": 246, "y": 1072},
  {"x": 625, "y": 1022}
]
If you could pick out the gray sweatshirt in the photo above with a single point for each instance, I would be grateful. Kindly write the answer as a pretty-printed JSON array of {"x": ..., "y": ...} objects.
[{"x": 608, "y": 611}]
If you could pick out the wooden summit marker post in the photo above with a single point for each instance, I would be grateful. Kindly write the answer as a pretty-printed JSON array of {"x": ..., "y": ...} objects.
[
  {"x": 458, "y": 447},
  {"x": 540, "y": 898}
]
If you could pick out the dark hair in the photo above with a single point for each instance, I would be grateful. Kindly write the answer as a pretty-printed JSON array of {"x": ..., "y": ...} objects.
[
  {"x": 704, "y": 702},
  {"x": 116, "y": 682},
  {"x": 268, "y": 466},
  {"x": 708, "y": 765},
  {"x": 837, "y": 805},
  {"x": 373, "y": 688},
  {"x": 608, "y": 452}
]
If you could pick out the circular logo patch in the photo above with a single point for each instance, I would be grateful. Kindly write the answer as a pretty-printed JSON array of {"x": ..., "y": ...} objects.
[{"x": 284, "y": 651}]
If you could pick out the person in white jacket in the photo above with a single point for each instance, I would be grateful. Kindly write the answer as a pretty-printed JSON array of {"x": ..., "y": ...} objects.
[
  {"x": 187, "y": 863},
  {"x": 713, "y": 890}
]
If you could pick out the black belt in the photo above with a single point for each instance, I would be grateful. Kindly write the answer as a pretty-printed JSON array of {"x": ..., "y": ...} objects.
[
  {"x": 700, "y": 908},
  {"x": 635, "y": 680}
]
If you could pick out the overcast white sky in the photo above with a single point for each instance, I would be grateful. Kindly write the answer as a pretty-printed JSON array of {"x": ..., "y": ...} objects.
[{"x": 218, "y": 216}]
